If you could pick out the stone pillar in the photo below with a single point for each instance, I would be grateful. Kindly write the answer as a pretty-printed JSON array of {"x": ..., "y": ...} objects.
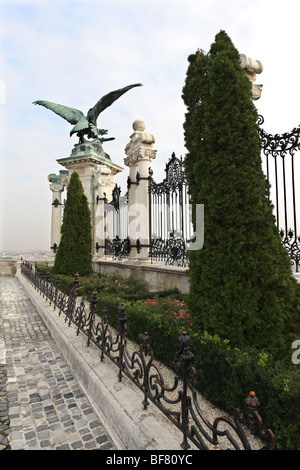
[
  {"x": 104, "y": 185},
  {"x": 252, "y": 67},
  {"x": 139, "y": 155},
  {"x": 90, "y": 161},
  {"x": 58, "y": 182}
]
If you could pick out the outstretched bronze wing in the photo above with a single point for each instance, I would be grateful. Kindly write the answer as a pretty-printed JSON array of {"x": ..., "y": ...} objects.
[
  {"x": 106, "y": 101},
  {"x": 70, "y": 114}
]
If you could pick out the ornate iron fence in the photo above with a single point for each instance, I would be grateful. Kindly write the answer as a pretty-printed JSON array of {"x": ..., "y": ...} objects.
[
  {"x": 171, "y": 227},
  {"x": 179, "y": 401},
  {"x": 282, "y": 176},
  {"x": 169, "y": 210},
  {"x": 170, "y": 218}
]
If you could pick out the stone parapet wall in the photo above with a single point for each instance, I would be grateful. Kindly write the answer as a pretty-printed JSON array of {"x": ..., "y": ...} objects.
[
  {"x": 159, "y": 277},
  {"x": 7, "y": 267}
]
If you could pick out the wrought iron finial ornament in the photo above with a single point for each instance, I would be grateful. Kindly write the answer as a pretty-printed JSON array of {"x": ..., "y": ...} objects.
[{"x": 87, "y": 125}]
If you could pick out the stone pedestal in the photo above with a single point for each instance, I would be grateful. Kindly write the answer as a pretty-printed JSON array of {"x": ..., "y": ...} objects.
[
  {"x": 139, "y": 155},
  {"x": 96, "y": 172}
]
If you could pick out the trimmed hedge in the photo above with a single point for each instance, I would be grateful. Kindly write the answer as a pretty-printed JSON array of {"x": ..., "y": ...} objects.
[
  {"x": 241, "y": 284},
  {"x": 74, "y": 251}
]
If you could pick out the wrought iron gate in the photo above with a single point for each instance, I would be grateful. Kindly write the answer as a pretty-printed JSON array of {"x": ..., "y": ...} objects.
[
  {"x": 170, "y": 222},
  {"x": 117, "y": 242},
  {"x": 281, "y": 171}
]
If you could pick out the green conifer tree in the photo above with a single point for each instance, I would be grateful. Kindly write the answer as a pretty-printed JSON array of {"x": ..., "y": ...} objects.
[
  {"x": 241, "y": 284},
  {"x": 74, "y": 254}
]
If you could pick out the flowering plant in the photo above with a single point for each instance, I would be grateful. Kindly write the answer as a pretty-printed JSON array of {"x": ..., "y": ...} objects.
[
  {"x": 173, "y": 307},
  {"x": 179, "y": 312},
  {"x": 114, "y": 284}
]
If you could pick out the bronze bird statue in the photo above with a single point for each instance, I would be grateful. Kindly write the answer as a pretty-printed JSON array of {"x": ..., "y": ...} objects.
[{"x": 86, "y": 125}]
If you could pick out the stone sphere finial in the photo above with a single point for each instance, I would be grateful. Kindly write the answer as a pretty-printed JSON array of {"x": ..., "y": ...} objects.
[{"x": 138, "y": 125}]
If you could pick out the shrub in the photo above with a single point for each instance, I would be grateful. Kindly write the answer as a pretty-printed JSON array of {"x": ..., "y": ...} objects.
[
  {"x": 241, "y": 284},
  {"x": 116, "y": 284},
  {"x": 74, "y": 252}
]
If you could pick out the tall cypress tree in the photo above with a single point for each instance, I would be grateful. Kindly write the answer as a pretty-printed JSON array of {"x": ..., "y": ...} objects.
[
  {"x": 241, "y": 284},
  {"x": 74, "y": 254}
]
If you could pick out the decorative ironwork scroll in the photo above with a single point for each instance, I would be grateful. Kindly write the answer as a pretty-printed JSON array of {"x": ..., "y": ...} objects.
[
  {"x": 117, "y": 248},
  {"x": 172, "y": 251},
  {"x": 178, "y": 401},
  {"x": 279, "y": 148}
]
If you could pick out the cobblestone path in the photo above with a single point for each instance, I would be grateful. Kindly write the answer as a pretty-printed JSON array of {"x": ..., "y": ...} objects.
[{"x": 42, "y": 406}]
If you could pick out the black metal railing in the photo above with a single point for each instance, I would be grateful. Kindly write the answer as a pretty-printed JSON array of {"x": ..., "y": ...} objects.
[
  {"x": 279, "y": 151},
  {"x": 179, "y": 401}
]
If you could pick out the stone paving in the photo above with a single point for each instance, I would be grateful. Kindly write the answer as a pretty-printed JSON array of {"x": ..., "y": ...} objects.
[{"x": 42, "y": 406}]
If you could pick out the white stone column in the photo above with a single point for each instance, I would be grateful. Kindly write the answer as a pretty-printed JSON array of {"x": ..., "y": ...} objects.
[
  {"x": 91, "y": 163},
  {"x": 104, "y": 184},
  {"x": 139, "y": 155},
  {"x": 58, "y": 182}
]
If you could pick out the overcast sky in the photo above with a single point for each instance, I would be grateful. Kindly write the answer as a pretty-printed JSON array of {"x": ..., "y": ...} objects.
[{"x": 74, "y": 52}]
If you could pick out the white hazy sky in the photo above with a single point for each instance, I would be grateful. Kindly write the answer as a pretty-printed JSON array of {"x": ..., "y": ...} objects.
[{"x": 73, "y": 52}]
